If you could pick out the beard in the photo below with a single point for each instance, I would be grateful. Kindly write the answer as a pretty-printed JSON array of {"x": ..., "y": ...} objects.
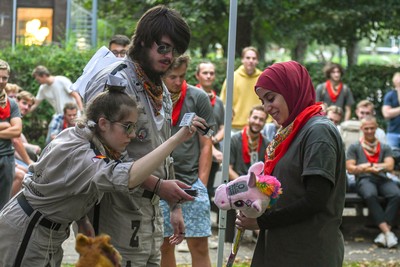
[
  {"x": 146, "y": 63},
  {"x": 253, "y": 131}
]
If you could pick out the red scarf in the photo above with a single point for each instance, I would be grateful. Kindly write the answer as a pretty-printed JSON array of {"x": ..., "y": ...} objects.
[
  {"x": 372, "y": 153},
  {"x": 332, "y": 94},
  {"x": 65, "y": 124},
  {"x": 279, "y": 147},
  {"x": 245, "y": 145},
  {"x": 5, "y": 112},
  {"x": 178, "y": 106},
  {"x": 212, "y": 95}
]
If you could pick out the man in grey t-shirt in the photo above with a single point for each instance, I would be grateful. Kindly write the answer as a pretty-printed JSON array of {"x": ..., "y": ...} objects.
[
  {"x": 10, "y": 127},
  {"x": 192, "y": 163}
]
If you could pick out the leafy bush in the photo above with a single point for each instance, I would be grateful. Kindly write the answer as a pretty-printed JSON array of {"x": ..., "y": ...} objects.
[
  {"x": 59, "y": 61},
  {"x": 365, "y": 81}
]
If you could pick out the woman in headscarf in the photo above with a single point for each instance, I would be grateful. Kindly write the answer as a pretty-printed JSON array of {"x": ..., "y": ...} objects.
[{"x": 307, "y": 157}]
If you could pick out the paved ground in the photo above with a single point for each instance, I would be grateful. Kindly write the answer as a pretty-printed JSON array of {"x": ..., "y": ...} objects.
[{"x": 358, "y": 247}]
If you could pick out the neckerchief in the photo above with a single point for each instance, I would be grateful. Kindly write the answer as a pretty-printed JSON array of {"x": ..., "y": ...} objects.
[
  {"x": 245, "y": 145},
  {"x": 280, "y": 144},
  {"x": 176, "y": 111},
  {"x": 5, "y": 112},
  {"x": 212, "y": 95},
  {"x": 155, "y": 92},
  {"x": 65, "y": 124},
  {"x": 332, "y": 94},
  {"x": 371, "y": 150}
]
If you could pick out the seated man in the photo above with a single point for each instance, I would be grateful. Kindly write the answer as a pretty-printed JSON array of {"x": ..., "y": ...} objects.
[
  {"x": 350, "y": 129},
  {"x": 369, "y": 160},
  {"x": 25, "y": 101},
  {"x": 335, "y": 114},
  {"x": 62, "y": 121},
  {"x": 25, "y": 153}
]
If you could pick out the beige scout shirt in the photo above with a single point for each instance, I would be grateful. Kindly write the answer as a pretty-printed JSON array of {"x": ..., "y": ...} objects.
[{"x": 69, "y": 179}]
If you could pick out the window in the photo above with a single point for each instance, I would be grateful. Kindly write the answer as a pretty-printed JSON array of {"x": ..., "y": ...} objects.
[{"x": 34, "y": 25}]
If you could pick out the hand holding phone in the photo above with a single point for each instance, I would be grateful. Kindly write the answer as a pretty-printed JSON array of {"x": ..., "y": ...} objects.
[{"x": 192, "y": 192}]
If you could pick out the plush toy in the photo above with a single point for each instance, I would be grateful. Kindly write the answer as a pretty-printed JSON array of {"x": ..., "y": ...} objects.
[
  {"x": 252, "y": 194},
  {"x": 96, "y": 252}
]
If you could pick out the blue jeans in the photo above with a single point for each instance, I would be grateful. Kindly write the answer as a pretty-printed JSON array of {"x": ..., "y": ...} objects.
[{"x": 393, "y": 139}]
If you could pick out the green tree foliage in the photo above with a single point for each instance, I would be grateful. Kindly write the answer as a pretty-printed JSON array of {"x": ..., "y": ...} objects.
[{"x": 291, "y": 24}]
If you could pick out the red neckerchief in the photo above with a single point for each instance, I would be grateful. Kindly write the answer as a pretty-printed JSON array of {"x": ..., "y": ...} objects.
[
  {"x": 283, "y": 145},
  {"x": 332, "y": 94},
  {"x": 245, "y": 145},
  {"x": 5, "y": 112},
  {"x": 65, "y": 124},
  {"x": 176, "y": 111},
  {"x": 212, "y": 95},
  {"x": 372, "y": 157}
]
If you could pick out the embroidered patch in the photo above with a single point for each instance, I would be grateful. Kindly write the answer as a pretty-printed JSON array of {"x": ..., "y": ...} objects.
[
  {"x": 98, "y": 157},
  {"x": 237, "y": 188},
  {"x": 142, "y": 134}
]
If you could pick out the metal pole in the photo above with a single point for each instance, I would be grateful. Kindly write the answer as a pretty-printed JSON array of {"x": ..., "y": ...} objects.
[
  {"x": 68, "y": 22},
  {"x": 14, "y": 25},
  {"x": 227, "y": 122},
  {"x": 94, "y": 24}
]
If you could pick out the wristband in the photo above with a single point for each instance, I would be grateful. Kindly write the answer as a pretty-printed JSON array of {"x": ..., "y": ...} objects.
[{"x": 157, "y": 186}]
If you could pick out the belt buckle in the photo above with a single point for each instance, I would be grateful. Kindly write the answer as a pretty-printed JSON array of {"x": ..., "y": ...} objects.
[{"x": 155, "y": 199}]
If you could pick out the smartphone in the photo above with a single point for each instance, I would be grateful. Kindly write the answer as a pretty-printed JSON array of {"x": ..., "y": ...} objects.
[{"x": 192, "y": 192}]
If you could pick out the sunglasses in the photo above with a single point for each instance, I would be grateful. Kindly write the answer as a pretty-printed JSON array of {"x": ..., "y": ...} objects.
[
  {"x": 164, "y": 49},
  {"x": 128, "y": 127}
]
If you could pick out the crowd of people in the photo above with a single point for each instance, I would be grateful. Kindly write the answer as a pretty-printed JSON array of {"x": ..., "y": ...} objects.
[{"x": 119, "y": 155}]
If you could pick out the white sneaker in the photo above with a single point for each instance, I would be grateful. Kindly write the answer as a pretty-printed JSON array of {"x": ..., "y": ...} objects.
[
  {"x": 182, "y": 247},
  {"x": 380, "y": 240},
  {"x": 212, "y": 244},
  {"x": 391, "y": 239}
]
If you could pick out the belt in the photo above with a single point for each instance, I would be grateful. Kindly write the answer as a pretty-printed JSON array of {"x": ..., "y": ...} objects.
[
  {"x": 29, "y": 210},
  {"x": 148, "y": 194}
]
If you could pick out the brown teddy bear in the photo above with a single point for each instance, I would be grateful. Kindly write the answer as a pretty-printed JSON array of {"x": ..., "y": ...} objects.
[{"x": 96, "y": 252}]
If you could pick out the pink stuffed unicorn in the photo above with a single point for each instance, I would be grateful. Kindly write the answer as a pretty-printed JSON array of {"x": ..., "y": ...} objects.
[{"x": 252, "y": 193}]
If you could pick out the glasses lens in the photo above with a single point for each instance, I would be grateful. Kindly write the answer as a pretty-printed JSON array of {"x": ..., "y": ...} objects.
[
  {"x": 164, "y": 49},
  {"x": 121, "y": 53},
  {"x": 129, "y": 128}
]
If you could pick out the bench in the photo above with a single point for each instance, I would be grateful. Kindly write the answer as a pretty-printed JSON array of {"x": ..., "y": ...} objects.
[{"x": 353, "y": 200}]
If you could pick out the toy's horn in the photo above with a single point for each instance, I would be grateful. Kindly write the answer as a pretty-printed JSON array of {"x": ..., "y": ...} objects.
[{"x": 252, "y": 180}]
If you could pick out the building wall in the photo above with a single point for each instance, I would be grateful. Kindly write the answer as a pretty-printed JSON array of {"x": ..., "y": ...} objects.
[{"x": 59, "y": 18}]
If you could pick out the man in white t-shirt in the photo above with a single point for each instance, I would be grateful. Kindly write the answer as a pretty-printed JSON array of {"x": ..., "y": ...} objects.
[{"x": 55, "y": 89}]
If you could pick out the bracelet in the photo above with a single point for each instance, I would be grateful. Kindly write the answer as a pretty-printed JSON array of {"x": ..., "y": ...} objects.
[
  {"x": 176, "y": 206},
  {"x": 157, "y": 186},
  {"x": 372, "y": 165}
]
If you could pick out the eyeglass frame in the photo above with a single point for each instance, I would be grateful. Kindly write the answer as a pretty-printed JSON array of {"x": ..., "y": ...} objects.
[
  {"x": 122, "y": 53},
  {"x": 126, "y": 126},
  {"x": 164, "y": 49}
]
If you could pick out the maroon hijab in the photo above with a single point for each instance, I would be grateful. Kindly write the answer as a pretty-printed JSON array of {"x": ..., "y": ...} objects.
[{"x": 292, "y": 81}]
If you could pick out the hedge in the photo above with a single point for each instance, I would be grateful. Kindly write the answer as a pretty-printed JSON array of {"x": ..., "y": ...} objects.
[{"x": 365, "y": 81}]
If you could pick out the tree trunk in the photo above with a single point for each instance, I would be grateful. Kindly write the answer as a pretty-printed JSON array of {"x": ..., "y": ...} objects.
[
  {"x": 244, "y": 29},
  {"x": 299, "y": 51},
  {"x": 352, "y": 50}
]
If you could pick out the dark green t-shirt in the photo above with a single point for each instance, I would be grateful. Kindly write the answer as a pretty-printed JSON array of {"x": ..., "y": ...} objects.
[
  {"x": 317, "y": 241},
  {"x": 186, "y": 155}
]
